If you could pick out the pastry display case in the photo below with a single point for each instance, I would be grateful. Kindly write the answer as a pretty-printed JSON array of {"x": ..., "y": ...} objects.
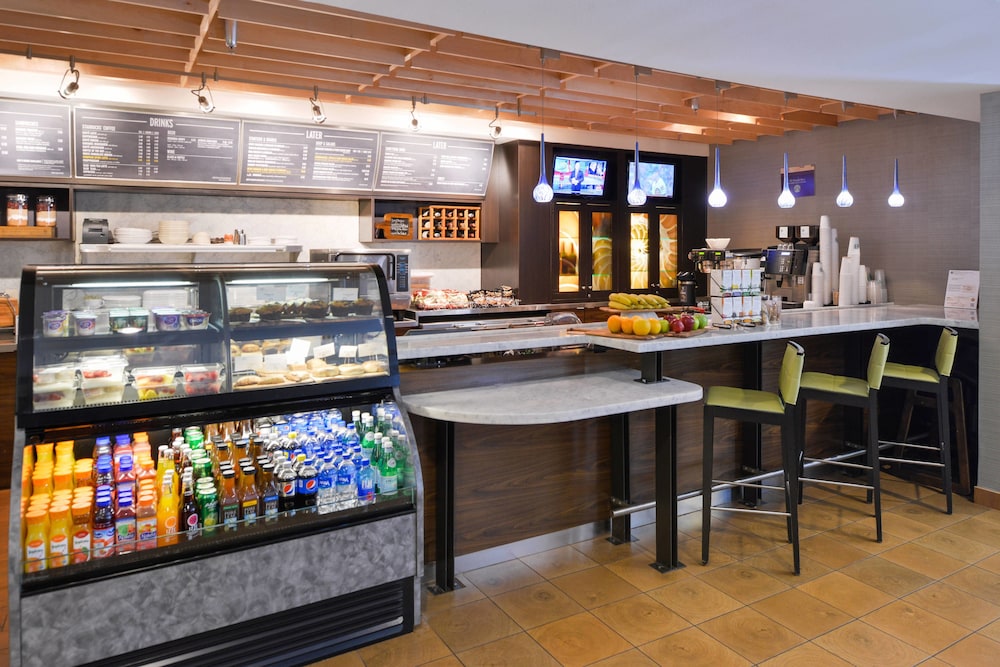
[{"x": 261, "y": 400}]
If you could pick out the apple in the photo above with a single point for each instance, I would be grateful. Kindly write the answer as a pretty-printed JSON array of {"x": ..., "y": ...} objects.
[
  {"x": 687, "y": 320},
  {"x": 677, "y": 326}
]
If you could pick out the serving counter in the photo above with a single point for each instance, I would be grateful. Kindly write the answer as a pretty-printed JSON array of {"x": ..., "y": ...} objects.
[{"x": 573, "y": 471}]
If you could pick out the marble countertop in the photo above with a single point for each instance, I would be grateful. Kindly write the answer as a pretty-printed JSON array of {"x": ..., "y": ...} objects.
[
  {"x": 794, "y": 324},
  {"x": 553, "y": 400}
]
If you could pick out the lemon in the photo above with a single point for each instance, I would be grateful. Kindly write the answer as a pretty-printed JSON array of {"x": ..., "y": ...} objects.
[
  {"x": 654, "y": 327},
  {"x": 641, "y": 326}
]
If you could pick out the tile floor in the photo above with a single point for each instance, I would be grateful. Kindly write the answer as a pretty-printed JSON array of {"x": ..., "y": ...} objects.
[{"x": 929, "y": 594}]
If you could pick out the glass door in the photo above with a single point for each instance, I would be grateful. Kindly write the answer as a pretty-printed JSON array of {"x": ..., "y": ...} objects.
[
  {"x": 652, "y": 250},
  {"x": 585, "y": 248}
]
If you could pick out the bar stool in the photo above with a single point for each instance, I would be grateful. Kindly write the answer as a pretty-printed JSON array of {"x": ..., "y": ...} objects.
[
  {"x": 851, "y": 392},
  {"x": 762, "y": 407},
  {"x": 932, "y": 381}
]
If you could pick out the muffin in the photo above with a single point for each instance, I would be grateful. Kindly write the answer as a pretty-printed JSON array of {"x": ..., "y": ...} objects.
[
  {"x": 340, "y": 308},
  {"x": 239, "y": 314},
  {"x": 316, "y": 309},
  {"x": 271, "y": 311},
  {"x": 363, "y": 307},
  {"x": 294, "y": 308}
]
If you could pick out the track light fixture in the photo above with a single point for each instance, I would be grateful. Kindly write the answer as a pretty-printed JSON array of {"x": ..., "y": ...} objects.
[
  {"x": 70, "y": 84},
  {"x": 495, "y": 127},
  {"x": 317, "y": 108},
  {"x": 204, "y": 94},
  {"x": 414, "y": 121}
]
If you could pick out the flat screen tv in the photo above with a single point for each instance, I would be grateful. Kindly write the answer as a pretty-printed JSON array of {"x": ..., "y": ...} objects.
[
  {"x": 655, "y": 178},
  {"x": 578, "y": 176}
]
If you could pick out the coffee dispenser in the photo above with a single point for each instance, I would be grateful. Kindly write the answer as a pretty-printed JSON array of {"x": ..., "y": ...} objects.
[{"x": 788, "y": 264}]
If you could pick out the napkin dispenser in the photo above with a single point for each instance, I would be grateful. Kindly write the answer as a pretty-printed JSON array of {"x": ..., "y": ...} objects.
[{"x": 95, "y": 230}]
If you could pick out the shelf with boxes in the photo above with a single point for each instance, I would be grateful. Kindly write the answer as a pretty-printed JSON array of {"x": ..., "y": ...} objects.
[{"x": 449, "y": 223}]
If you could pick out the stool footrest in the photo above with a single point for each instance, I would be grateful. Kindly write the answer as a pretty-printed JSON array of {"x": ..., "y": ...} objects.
[
  {"x": 831, "y": 482},
  {"x": 932, "y": 464},
  {"x": 719, "y": 484},
  {"x": 750, "y": 511},
  {"x": 884, "y": 444},
  {"x": 843, "y": 464}
]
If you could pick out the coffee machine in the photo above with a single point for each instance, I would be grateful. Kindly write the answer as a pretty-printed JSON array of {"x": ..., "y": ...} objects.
[{"x": 788, "y": 265}]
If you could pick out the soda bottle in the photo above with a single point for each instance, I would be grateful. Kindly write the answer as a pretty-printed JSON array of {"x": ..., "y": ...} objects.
[
  {"x": 388, "y": 475},
  {"x": 36, "y": 540},
  {"x": 229, "y": 500},
  {"x": 125, "y": 525},
  {"x": 166, "y": 511},
  {"x": 368, "y": 442},
  {"x": 326, "y": 485},
  {"x": 145, "y": 522},
  {"x": 286, "y": 487},
  {"x": 208, "y": 508},
  {"x": 190, "y": 518},
  {"x": 268, "y": 492},
  {"x": 80, "y": 545},
  {"x": 249, "y": 497},
  {"x": 366, "y": 483},
  {"x": 306, "y": 484}
]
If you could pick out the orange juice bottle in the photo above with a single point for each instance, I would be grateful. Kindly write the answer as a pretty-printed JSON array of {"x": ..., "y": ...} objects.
[
  {"x": 36, "y": 540},
  {"x": 60, "y": 530},
  {"x": 167, "y": 511}
]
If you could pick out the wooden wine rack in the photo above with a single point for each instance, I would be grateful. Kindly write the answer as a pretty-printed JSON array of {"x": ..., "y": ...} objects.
[{"x": 449, "y": 223}]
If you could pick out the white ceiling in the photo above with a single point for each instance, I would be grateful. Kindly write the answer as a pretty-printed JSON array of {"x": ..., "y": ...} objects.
[{"x": 928, "y": 56}]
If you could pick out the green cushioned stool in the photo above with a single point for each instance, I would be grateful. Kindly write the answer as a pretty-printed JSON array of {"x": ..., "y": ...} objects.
[
  {"x": 763, "y": 407},
  {"x": 851, "y": 392},
  {"x": 932, "y": 381}
]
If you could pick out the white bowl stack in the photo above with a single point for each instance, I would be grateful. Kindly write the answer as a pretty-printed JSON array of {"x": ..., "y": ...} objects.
[
  {"x": 133, "y": 235},
  {"x": 174, "y": 232},
  {"x": 717, "y": 243}
]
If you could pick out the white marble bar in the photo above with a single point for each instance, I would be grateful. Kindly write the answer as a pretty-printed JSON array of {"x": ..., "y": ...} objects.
[
  {"x": 551, "y": 401},
  {"x": 794, "y": 324}
]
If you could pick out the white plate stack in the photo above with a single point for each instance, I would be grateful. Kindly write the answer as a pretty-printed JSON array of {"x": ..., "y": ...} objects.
[
  {"x": 174, "y": 232},
  {"x": 133, "y": 235}
]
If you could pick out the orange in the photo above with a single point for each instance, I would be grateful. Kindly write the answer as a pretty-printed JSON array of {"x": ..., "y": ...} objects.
[
  {"x": 642, "y": 326},
  {"x": 626, "y": 323},
  {"x": 614, "y": 324}
]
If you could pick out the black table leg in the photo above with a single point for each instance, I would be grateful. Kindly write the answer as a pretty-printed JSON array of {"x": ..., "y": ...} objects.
[
  {"x": 444, "y": 530},
  {"x": 621, "y": 494},
  {"x": 666, "y": 490},
  {"x": 753, "y": 378}
]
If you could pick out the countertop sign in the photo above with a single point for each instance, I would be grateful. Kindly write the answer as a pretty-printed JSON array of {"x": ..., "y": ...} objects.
[
  {"x": 34, "y": 139},
  {"x": 307, "y": 156},
  {"x": 434, "y": 165},
  {"x": 155, "y": 147}
]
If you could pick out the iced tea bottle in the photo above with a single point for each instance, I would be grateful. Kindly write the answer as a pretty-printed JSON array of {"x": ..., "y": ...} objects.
[
  {"x": 229, "y": 500},
  {"x": 249, "y": 497}
]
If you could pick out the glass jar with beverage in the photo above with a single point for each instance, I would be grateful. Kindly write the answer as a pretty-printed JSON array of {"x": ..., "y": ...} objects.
[
  {"x": 17, "y": 210},
  {"x": 45, "y": 211}
]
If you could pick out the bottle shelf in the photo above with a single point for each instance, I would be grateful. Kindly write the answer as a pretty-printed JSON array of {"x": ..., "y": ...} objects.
[{"x": 449, "y": 223}]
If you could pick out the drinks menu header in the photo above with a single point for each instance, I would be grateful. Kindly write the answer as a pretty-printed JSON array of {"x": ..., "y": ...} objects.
[
  {"x": 155, "y": 147},
  {"x": 34, "y": 139}
]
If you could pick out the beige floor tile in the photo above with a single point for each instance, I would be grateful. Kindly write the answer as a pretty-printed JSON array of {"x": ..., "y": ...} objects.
[
  {"x": 862, "y": 644},
  {"x": 450, "y": 661},
  {"x": 536, "y": 605},
  {"x": 600, "y": 550},
  {"x": 435, "y": 603},
  {"x": 972, "y": 651},
  {"x": 977, "y": 581},
  {"x": 640, "y": 619},
  {"x": 579, "y": 640},
  {"x": 903, "y": 526},
  {"x": 420, "y": 646},
  {"x": 979, "y": 529},
  {"x": 956, "y": 546},
  {"x": 472, "y": 625},
  {"x": 887, "y": 576},
  {"x": 805, "y": 655},
  {"x": 557, "y": 562},
  {"x": 693, "y": 648},
  {"x": 638, "y": 571},
  {"x": 778, "y": 563},
  {"x": 351, "y": 659},
  {"x": 503, "y": 577},
  {"x": 861, "y": 535},
  {"x": 932, "y": 516},
  {"x": 633, "y": 658},
  {"x": 917, "y": 626},
  {"x": 956, "y": 605},
  {"x": 831, "y": 551},
  {"x": 991, "y": 563},
  {"x": 694, "y": 600},
  {"x": 992, "y": 631},
  {"x": 514, "y": 651},
  {"x": 689, "y": 553},
  {"x": 752, "y": 634},
  {"x": 846, "y": 593},
  {"x": 744, "y": 582},
  {"x": 595, "y": 587},
  {"x": 802, "y": 613},
  {"x": 924, "y": 560},
  {"x": 823, "y": 516}
]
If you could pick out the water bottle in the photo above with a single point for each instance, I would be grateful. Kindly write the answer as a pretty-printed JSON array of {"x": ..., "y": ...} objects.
[
  {"x": 350, "y": 438},
  {"x": 326, "y": 486},
  {"x": 347, "y": 486},
  {"x": 366, "y": 483}
]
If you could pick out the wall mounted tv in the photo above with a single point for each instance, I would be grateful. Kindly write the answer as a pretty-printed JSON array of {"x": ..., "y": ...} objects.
[
  {"x": 655, "y": 178},
  {"x": 579, "y": 176}
]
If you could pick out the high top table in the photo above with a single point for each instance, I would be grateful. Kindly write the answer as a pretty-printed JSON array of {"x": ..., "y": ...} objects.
[{"x": 549, "y": 401}]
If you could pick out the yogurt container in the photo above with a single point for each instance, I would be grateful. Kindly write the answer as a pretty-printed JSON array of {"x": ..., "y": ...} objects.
[
  {"x": 85, "y": 322},
  {"x": 195, "y": 319},
  {"x": 167, "y": 319},
  {"x": 55, "y": 324}
]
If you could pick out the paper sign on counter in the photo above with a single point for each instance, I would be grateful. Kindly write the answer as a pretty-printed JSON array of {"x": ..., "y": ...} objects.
[
  {"x": 345, "y": 293},
  {"x": 298, "y": 351},
  {"x": 324, "y": 351},
  {"x": 348, "y": 351},
  {"x": 962, "y": 290}
]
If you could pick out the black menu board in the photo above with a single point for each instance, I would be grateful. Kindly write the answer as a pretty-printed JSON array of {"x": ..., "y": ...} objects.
[
  {"x": 433, "y": 165},
  {"x": 34, "y": 139},
  {"x": 307, "y": 156},
  {"x": 155, "y": 147}
]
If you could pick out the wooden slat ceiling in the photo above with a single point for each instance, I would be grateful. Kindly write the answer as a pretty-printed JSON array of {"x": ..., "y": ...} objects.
[{"x": 288, "y": 47}]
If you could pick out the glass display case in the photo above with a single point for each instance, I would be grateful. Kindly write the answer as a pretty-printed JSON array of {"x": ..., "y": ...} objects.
[{"x": 213, "y": 435}]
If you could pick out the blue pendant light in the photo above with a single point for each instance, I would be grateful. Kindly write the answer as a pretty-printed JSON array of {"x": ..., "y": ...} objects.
[
  {"x": 717, "y": 197},
  {"x": 543, "y": 191},
  {"x": 896, "y": 198},
  {"x": 636, "y": 195},
  {"x": 786, "y": 199},
  {"x": 844, "y": 199}
]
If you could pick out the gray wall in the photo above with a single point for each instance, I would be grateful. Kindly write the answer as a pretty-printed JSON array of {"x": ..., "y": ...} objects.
[
  {"x": 936, "y": 230},
  {"x": 989, "y": 301}
]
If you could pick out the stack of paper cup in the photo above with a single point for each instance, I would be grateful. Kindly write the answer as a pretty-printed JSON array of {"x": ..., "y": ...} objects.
[{"x": 825, "y": 294}]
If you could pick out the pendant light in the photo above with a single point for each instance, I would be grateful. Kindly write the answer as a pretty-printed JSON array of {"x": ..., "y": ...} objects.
[
  {"x": 717, "y": 197},
  {"x": 204, "y": 95},
  {"x": 636, "y": 195},
  {"x": 494, "y": 127},
  {"x": 786, "y": 199},
  {"x": 844, "y": 199},
  {"x": 543, "y": 191},
  {"x": 414, "y": 121},
  {"x": 896, "y": 198}
]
